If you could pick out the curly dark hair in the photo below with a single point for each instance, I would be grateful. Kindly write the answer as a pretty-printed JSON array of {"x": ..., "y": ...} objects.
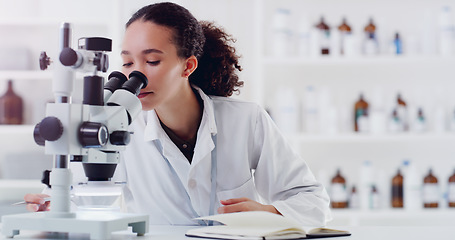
[{"x": 218, "y": 62}]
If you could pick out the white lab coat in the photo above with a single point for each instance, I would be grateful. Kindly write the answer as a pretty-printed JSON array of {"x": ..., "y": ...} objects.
[{"x": 247, "y": 141}]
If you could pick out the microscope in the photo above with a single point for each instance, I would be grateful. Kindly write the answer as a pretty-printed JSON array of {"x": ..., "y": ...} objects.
[{"x": 93, "y": 133}]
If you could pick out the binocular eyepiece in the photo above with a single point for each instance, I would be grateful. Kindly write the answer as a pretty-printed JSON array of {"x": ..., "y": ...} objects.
[
  {"x": 93, "y": 86},
  {"x": 136, "y": 82},
  {"x": 121, "y": 92}
]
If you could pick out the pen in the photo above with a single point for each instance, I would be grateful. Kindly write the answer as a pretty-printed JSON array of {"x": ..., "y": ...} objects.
[{"x": 25, "y": 202}]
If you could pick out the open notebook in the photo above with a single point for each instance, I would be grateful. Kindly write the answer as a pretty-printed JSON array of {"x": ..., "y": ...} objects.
[{"x": 258, "y": 225}]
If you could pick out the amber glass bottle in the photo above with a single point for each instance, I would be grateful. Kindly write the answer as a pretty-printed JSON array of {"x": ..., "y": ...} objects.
[
  {"x": 370, "y": 46},
  {"x": 430, "y": 191},
  {"x": 370, "y": 29},
  {"x": 397, "y": 190},
  {"x": 452, "y": 190},
  {"x": 339, "y": 196},
  {"x": 11, "y": 106},
  {"x": 344, "y": 29},
  {"x": 324, "y": 36},
  {"x": 361, "y": 115}
]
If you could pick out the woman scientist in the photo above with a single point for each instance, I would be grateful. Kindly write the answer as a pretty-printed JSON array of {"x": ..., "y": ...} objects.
[{"x": 194, "y": 150}]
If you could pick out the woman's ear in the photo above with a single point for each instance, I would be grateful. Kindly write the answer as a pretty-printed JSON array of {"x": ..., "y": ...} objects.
[{"x": 190, "y": 66}]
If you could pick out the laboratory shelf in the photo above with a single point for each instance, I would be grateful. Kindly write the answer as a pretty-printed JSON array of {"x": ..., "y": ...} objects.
[
  {"x": 442, "y": 216},
  {"x": 364, "y": 137},
  {"x": 29, "y": 75},
  {"x": 384, "y": 60},
  {"x": 51, "y": 22},
  {"x": 17, "y": 129}
]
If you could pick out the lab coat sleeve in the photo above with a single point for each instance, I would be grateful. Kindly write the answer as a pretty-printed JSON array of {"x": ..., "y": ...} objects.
[{"x": 284, "y": 179}]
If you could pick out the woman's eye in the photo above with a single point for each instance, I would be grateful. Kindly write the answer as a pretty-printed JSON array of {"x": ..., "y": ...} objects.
[
  {"x": 153, "y": 62},
  {"x": 127, "y": 64}
]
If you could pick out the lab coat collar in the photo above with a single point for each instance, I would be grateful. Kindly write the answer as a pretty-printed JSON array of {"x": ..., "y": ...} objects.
[
  {"x": 153, "y": 129},
  {"x": 209, "y": 111}
]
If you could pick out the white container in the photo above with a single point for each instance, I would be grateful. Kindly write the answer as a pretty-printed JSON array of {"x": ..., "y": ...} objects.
[
  {"x": 366, "y": 176},
  {"x": 310, "y": 110},
  {"x": 411, "y": 186},
  {"x": 352, "y": 44},
  {"x": 281, "y": 34},
  {"x": 378, "y": 116},
  {"x": 446, "y": 30},
  {"x": 439, "y": 123},
  {"x": 335, "y": 43},
  {"x": 429, "y": 33},
  {"x": 286, "y": 114},
  {"x": 304, "y": 37}
]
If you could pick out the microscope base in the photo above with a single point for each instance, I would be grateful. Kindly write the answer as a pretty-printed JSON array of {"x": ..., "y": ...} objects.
[{"x": 98, "y": 224}]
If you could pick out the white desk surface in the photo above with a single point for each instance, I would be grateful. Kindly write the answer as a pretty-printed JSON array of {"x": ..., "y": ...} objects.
[{"x": 358, "y": 233}]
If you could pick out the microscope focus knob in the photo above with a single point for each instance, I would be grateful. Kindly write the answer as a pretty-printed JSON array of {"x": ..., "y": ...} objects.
[
  {"x": 50, "y": 129},
  {"x": 120, "y": 138},
  {"x": 93, "y": 134},
  {"x": 44, "y": 61},
  {"x": 68, "y": 57}
]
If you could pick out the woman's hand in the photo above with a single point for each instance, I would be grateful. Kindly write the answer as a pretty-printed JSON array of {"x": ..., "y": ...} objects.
[
  {"x": 36, "y": 202},
  {"x": 244, "y": 205}
]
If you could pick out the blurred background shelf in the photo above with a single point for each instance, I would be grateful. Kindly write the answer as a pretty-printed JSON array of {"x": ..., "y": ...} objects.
[
  {"x": 422, "y": 78},
  {"x": 358, "y": 61},
  {"x": 374, "y": 138},
  {"x": 394, "y": 217},
  {"x": 26, "y": 75},
  {"x": 17, "y": 129},
  {"x": 50, "y": 22}
]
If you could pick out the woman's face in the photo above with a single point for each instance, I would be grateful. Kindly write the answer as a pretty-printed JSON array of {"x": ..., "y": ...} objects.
[{"x": 148, "y": 48}]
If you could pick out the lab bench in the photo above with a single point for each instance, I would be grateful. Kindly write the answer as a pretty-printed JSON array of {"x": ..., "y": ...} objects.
[{"x": 178, "y": 232}]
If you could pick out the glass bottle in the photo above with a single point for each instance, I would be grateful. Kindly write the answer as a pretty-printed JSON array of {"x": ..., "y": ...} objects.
[
  {"x": 398, "y": 44},
  {"x": 452, "y": 190},
  {"x": 11, "y": 106},
  {"x": 324, "y": 36},
  {"x": 397, "y": 190},
  {"x": 371, "y": 44},
  {"x": 395, "y": 123},
  {"x": 374, "y": 197},
  {"x": 420, "y": 121},
  {"x": 338, "y": 191},
  {"x": 430, "y": 191},
  {"x": 402, "y": 112},
  {"x": 345, "y": 30},
  {"x": 354, "y": 201},
  {"x": 361, "y": 115}
]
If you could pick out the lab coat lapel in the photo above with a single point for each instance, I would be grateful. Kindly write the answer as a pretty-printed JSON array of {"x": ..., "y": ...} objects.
[
  {"x": 207, "y": 129},
  {"x": 154, "y": 132},
  {"x": 196, "y": 178},
  {"x": 199, "y": 185}
]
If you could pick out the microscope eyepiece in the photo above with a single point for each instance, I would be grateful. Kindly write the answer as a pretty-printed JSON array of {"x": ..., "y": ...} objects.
[
  {"x": 136, "y": 82},
  {"x": 126, "y": 96},
  {"x": 115, "y": 81}
]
